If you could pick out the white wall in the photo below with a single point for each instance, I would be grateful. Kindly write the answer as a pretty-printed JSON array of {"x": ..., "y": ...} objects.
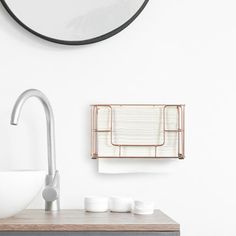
[{"x": 176, "y": 51}]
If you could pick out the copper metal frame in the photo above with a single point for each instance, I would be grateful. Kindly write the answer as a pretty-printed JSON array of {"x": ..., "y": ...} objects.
[{"x": 180, "y": 130}]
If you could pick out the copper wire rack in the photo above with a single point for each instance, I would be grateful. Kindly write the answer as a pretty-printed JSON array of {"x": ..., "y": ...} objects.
[{"x": 137, "y": 131}]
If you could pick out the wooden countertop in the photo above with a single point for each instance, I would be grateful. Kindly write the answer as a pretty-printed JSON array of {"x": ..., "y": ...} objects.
[{"x": 79, "y": 221}]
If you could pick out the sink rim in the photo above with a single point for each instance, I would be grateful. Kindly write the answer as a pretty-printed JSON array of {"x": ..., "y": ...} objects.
[{"x": 21, "y": 170}]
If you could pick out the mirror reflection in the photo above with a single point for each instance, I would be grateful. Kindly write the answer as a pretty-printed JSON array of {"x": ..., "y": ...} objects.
[{"x": 74, "y": 21}]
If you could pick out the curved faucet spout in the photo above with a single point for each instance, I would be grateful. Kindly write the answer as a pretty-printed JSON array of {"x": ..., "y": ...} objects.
[
  {"x": 50, "y": 122},
  {"x": 50, "y": 134}
]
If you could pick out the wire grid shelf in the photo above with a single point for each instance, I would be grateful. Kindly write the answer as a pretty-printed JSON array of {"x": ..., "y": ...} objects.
[{"x": 137, "y": 131}]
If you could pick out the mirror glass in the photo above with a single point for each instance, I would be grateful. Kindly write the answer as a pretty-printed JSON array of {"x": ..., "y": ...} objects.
[{"x": 74, "y": 21}]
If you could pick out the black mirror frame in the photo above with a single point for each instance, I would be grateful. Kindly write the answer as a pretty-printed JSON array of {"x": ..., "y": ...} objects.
[{"x": 82, "y": 42}]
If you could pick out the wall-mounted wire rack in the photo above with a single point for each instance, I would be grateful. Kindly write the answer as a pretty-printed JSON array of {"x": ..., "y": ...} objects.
[{"x": 137, "y": 131}]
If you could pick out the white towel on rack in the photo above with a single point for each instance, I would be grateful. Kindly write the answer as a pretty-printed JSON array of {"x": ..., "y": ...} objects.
[{"x": 137, "y": 165}]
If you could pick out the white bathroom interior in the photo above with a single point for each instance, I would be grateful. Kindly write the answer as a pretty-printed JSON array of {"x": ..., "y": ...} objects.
[{"x": 175, "y": 52}]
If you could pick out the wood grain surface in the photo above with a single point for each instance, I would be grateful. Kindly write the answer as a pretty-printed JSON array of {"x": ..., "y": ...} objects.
[{"x": 81, "y": 221}]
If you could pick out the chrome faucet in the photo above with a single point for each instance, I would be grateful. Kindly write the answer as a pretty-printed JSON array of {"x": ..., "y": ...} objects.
[{"x": 51, "y": 192}]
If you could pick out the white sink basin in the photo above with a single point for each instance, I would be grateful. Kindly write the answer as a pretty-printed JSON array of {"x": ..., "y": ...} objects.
[{"x": 18, "y": 189}]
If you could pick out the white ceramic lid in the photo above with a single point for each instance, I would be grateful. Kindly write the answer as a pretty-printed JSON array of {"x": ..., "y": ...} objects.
[
  {"x": 145, "y": 205},
  {"x": 92, "y": 199},
  {"x": 119, "y": 198}
]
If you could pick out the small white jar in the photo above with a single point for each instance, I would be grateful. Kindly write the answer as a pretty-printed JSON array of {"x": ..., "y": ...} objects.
[
  {"x": 96, "y": 204},
  {"x": 143, "y": 208},
  {"x": 120, "y": 204}
]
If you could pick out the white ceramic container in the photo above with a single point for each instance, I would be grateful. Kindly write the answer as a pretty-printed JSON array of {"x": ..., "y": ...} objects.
[
  {"x": 120, "y": 204},
  {"x": 143, "y": 208},
  {"x": 96, "y": 204}
]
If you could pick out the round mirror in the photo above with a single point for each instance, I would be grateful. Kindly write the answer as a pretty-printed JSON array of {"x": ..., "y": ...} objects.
[{"x": 74, "y": 22}]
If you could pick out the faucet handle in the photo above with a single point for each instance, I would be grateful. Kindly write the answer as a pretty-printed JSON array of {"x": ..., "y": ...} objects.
[
  {"x": 50, "y": 194},
  {"x": 51, "y": 191}
]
